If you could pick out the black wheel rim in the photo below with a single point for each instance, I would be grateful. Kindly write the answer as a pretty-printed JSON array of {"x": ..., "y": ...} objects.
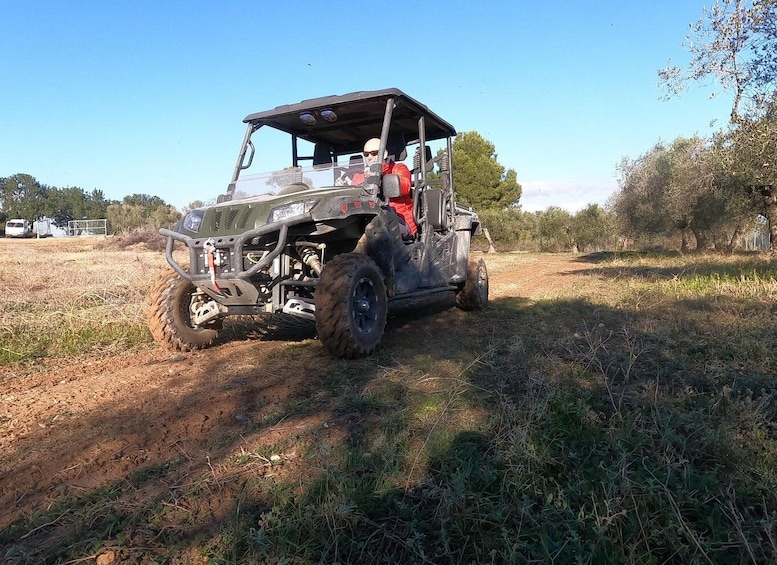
[
  {"x": 364, "y": 306},
  {"x": 185, "y": 309}
]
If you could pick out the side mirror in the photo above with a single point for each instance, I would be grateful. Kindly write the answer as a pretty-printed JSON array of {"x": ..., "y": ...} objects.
[{"x": 391, "y": 186}]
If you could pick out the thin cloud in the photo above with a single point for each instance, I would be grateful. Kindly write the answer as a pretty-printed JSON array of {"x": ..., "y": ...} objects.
[{"x": 569, "y": 194}]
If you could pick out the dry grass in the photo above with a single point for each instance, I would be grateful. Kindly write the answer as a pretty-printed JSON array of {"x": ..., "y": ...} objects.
[{"x": 72, "y": 296}]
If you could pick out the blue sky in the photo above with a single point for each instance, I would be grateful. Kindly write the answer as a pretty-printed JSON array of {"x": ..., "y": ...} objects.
[{"x": 149, "y": 96}]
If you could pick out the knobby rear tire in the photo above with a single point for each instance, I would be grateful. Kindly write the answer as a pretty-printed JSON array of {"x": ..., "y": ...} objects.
[
  {"x": 474, "y": 294},
  {"x": 351, "y": 306},
  {"x": 169, "y": 318}
]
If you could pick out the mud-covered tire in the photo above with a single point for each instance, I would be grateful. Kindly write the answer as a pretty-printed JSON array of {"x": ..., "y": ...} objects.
[
  {"x": 351, "y": 306},
  {"x": 168, "y": 315},
  {"x": 474, "y": 294}
]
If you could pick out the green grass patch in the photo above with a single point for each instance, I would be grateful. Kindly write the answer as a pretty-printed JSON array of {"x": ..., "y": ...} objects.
[{"x": 62, "y": 336}]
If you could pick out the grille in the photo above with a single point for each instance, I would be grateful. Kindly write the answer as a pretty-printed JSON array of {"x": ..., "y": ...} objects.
[
  {"x": 244, "y": 219},
  {"x": 232, "y": 215}
]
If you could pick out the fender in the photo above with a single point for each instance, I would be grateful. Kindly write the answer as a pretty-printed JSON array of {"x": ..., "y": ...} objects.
[{"x": 376, "y": 242}]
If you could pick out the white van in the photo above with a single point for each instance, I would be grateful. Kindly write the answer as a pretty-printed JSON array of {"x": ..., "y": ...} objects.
[{"x": 18, "y": 228}]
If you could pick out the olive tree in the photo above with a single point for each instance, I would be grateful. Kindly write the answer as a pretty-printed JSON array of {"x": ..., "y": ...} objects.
[
  {"x": 509, "y": 227},
  {"x": 749, "y": 150},
  {"x": 735, "y": 42},
  {"x": 679, "y": 189},
  {"x": 593, "y": 229},
  {"x": 638, "y": 203},
  {"x": 554, "y": 230}
]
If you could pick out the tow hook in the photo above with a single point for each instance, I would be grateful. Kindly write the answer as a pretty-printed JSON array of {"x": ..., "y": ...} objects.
[{"x": 210, "y": 251}]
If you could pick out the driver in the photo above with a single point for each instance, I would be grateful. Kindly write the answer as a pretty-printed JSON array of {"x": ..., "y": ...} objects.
[{"x": 402, "y": 204}]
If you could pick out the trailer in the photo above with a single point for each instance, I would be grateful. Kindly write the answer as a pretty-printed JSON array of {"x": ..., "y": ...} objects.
[{"x": 42, "y": 228}]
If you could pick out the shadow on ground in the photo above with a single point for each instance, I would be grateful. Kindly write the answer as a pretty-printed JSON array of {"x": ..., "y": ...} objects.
[{"x": 281, "y": 451}]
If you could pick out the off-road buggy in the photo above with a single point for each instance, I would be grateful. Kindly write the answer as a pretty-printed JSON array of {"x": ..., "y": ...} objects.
[{"x": 303, "y": 241}]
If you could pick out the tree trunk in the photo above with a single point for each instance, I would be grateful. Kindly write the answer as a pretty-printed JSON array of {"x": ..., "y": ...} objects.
[
  {"x": 685, "y": 246},
  {"x": 772, "y": 217},
  {"x": 491, "y": 248},
  {"x": 702, "y": 242},
  {"x": 733, "y": 242},
  {"x": 769, "y": 200}
]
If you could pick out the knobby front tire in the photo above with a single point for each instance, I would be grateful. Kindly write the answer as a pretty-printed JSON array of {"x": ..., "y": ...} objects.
[
  {"x": 351, "y": 306},
  {"x": 169, "y": 316}
]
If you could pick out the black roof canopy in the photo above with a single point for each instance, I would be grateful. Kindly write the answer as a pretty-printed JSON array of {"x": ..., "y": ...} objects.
[{"x": 359, "y": 117}]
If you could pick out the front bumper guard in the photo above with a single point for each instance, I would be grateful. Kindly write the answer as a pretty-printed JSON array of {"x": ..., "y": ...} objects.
[{"x": 195, "y": 245}]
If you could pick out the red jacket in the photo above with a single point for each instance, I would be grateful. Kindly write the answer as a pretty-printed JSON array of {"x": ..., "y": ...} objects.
[{"x": 403, "y": 203}]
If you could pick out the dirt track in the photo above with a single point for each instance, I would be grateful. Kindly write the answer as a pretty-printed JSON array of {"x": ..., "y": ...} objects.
[{"x": 73, "y": 425}]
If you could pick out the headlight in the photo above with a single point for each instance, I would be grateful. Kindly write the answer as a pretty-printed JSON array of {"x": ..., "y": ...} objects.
[
  {"x": 193, "y": 221},
  {"x": 292, "y": 210}
]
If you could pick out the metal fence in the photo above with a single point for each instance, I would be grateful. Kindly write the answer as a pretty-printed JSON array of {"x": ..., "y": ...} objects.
[{"x": 87, "y": 227}]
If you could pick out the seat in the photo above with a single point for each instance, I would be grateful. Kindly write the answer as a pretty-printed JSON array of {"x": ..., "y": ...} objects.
[
  {"x": 322, "y": 156},
  {"x": 396, "y": 147},
  {"x": 417, "y": 159},
  {"x": 355, "y": 165},
  {"x": 434, "y": 200}
]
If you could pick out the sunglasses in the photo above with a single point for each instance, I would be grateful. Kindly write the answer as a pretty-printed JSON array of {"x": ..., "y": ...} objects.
[{"x": 370, "y": 153}]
